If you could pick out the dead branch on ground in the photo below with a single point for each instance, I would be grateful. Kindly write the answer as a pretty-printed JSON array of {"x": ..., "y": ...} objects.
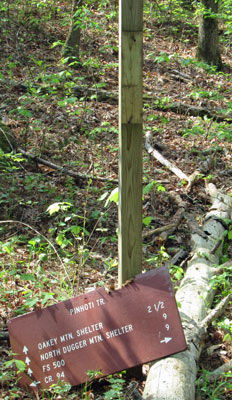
[
  {"x": 64, "y": 170},
  {"x": 173, "y": 168}
]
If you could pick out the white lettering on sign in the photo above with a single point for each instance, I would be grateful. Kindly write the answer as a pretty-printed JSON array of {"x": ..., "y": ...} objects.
[
  {"x": 66, "y": 337},
  {"x": 46, "y": 368},
  {"x": 100, "y": 302},
  {"x": 60, "y": 375},
  {"x": 48, "y": 379},
  {"x": 159, "y": 305},
  {"x": 47, "y": 343},
  {"x": 89, "y": 329},
  {"x": 82, "y": 308},
  {"x": 96, "y": 339},
  {"x": 74, "y": 346},
  {"x": 120, "y": 331},
  {"x": 50, "y": 354},
  {"x": 58, "y": 364}
]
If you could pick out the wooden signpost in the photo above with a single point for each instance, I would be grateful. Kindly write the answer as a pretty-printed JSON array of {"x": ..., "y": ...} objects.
[
  {"x": 98, "y": 331},
  {"x": 130, "y": 138},
  {"x": 101, "y": 331}
]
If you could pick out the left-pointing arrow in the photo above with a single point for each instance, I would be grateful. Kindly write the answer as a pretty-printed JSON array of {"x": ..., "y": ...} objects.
[
  {"x": 25, "y": 350},
  {"x": 34, "y": 384},
  {"x": 27, "y": 361}
]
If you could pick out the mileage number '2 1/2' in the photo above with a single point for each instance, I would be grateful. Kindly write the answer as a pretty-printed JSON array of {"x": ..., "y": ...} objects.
[{"x": 158, "y": 307}]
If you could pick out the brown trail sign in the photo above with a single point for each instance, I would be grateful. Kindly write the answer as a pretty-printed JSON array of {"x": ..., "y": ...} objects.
[{"x": 99, "y": 331}]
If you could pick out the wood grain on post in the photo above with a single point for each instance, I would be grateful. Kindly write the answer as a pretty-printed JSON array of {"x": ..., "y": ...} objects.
[{"x": 130, "y": 138}]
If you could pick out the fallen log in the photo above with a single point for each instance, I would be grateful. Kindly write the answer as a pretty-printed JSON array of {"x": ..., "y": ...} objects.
[{"x": 174, "y": 377}]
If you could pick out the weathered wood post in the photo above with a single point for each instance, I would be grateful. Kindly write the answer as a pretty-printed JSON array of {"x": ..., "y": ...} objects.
[{"x": 130, "y": 138}]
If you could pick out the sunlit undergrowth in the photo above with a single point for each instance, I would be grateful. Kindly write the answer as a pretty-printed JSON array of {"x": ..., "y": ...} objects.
[{"x": 58, "y": 234}]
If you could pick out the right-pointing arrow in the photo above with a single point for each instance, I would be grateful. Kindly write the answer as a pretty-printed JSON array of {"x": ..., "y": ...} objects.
[{"x": 166, "y": 340}]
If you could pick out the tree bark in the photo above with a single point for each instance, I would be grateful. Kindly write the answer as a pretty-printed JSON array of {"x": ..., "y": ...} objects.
[
  {"x": 174, "y": 377},
  {"x": 208, "y": 42},
  {"x": 72, "y": 44}
]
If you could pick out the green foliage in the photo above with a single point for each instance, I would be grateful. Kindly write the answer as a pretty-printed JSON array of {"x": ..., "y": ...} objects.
[
  {"x": 159, "y": 258},
  {"x": 208, "y": 128},
  {"x": 210, "y": 69},
  {"x": 205, "y": 94},
  {"x": 222, "y": 282},
  {"x": 215, "y": 390},
  {"x": 20, "y": 365},
  {"x": 83, "y": 18},
  {"x": 225, "y": 324},
  {"x": 111, "y": 198},
  {"x": 60, "y": 388},
  {"x": 164, "y": 57},
  {"x": 116, "y": 388},
  {"x": 153, "y": 186},
  {"x": 9, "y": 162},
  {"x": 176, "y": 272},
  {"x": 104, "y": 128}
]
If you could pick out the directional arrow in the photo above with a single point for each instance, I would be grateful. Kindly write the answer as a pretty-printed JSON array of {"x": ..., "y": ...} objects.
[
  {"x": 29, "y": 371},
  {"x": 25, "y": 350},
  {"x": 27, "y": 361},
  {"x": 166, "y": 340},
  {"x": 34, "y": 384}
]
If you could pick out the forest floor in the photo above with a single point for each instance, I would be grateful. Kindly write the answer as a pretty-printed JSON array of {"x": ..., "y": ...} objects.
[{"x": 80, "y": 134}]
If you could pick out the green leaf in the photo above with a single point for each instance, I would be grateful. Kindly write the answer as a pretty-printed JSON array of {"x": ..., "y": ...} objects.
[
  {"x": 55, "y": 207},
  {"x": 103, "y": 196},
  {"x": 20, "y": 365},
  {"x": 148, "y": 187},
  {"x": 113, "y": 197},
  {"x": 147, "y": 220},
  {"x": 46, "y": 297},
  {"x": 161, "y": 188},
  {"x": 28, "y": 277},
  {"x": 31, "y": 302},
  {"x": 75, "y": 229},
  {"x": 24, "y": 112},
  {"x": 66, "y": 101}
]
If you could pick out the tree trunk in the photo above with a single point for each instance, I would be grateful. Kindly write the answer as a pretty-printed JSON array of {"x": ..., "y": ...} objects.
[
  {"x": 174, "y": 377},
  {"x": 72, "y": 44},
  {"x": 208, "y": 43}
]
